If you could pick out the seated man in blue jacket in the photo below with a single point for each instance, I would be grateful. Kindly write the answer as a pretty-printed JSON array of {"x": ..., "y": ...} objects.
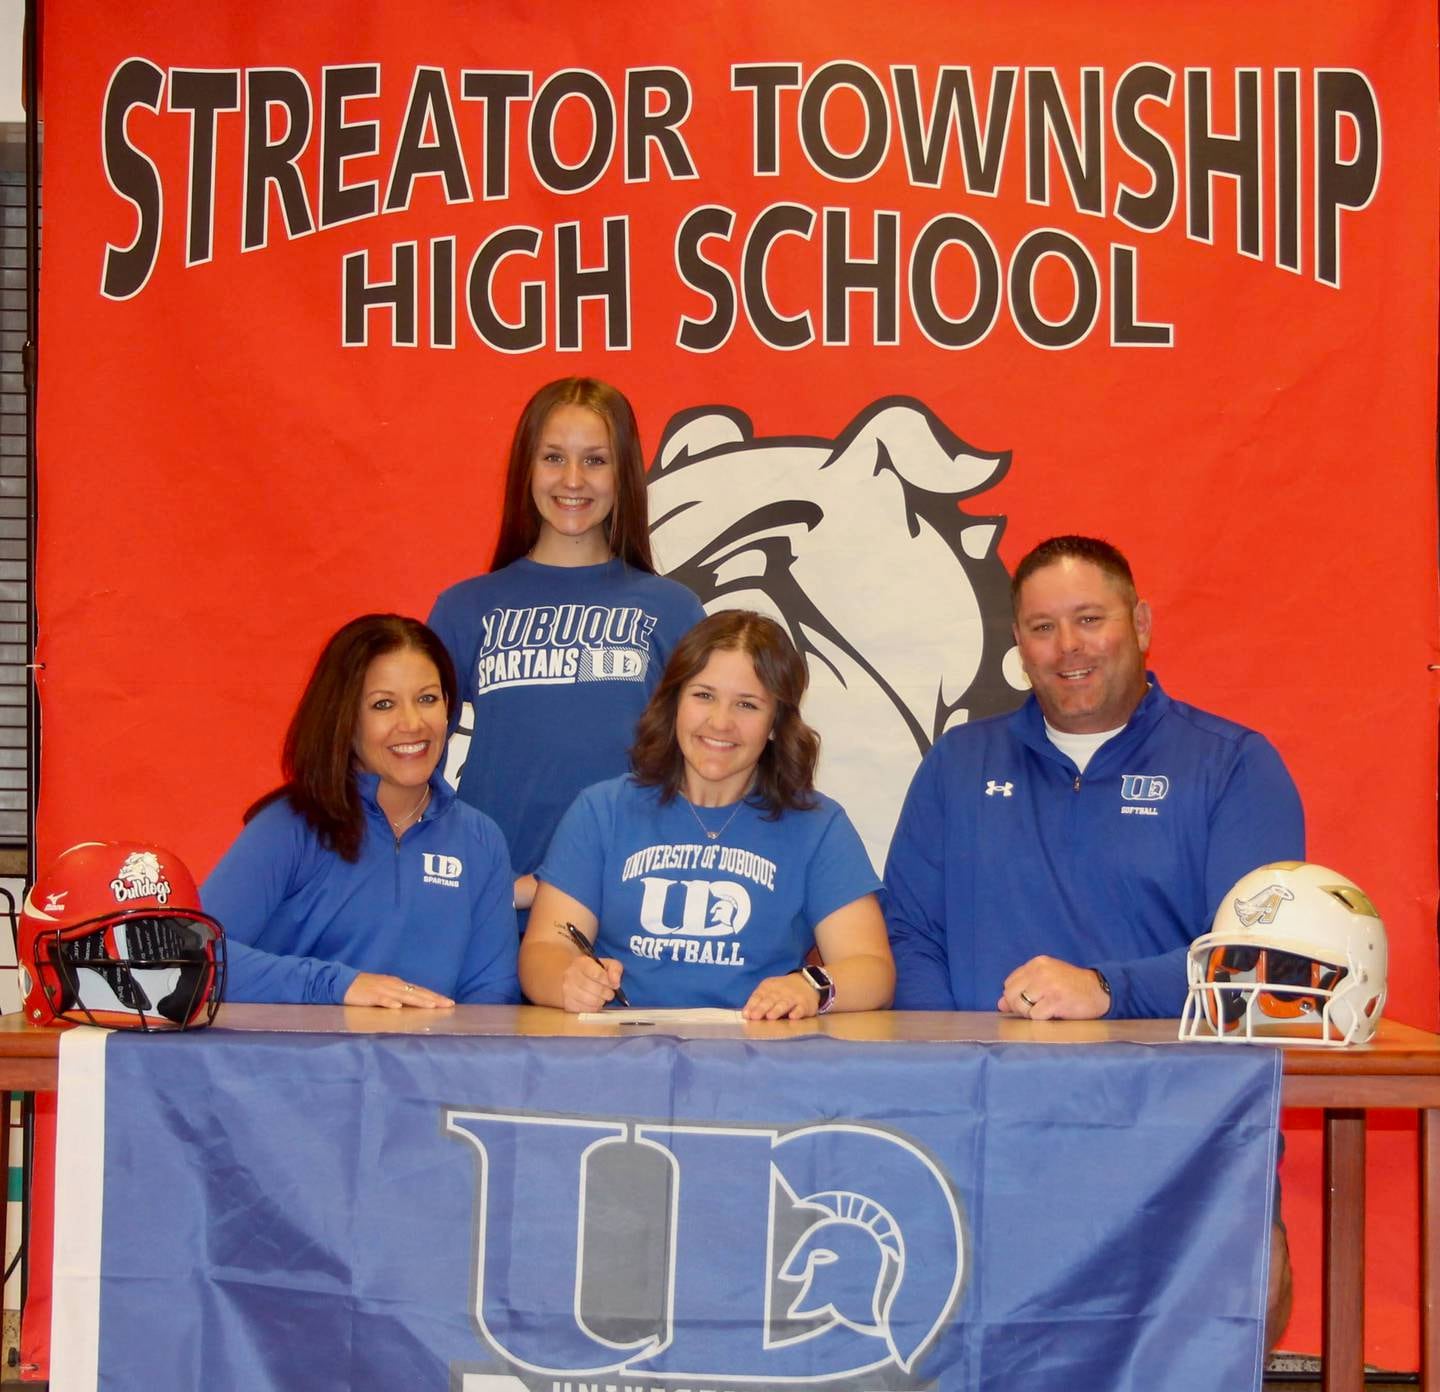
[{"x": 1057, "y": 862}]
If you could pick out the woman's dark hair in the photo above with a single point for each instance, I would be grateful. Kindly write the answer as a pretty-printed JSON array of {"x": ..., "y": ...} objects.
[
  {"x": 785, "y": 775},
  {"x": 628, "y": 526},
  {"x": 318, "y": 758}
]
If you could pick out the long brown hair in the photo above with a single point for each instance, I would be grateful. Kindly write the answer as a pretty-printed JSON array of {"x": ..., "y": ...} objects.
[
  {"x": 785, "y": 775},
  {"x": 628, "y": 526},
  {"x": 318, "y": 758}
]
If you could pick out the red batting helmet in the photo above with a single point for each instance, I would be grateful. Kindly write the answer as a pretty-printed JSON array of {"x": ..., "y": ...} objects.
[{"x": 113, "y": 934}]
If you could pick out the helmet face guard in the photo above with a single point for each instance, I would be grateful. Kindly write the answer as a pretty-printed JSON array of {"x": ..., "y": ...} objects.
[
  {"x": 1296, "y": 955},
  {"x": 133, "y": 971},
  {"x": 1246, "y": 989},
  {"x": 113, "y": 935}
]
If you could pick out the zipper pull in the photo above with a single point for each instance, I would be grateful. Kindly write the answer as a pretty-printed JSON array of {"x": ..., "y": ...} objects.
[{"x": 1077, "y": 782}]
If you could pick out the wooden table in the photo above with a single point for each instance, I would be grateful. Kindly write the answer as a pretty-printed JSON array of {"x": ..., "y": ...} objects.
[{"x": 1401, "y": 1068}]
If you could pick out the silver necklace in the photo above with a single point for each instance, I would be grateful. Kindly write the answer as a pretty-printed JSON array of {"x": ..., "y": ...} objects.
[
  {"x": 715, "y": 835},
  {"x": 398, "y": 827}
]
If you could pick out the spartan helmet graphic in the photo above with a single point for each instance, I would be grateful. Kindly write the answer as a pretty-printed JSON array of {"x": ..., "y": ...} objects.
[
  {"x": 847, "y": 1264},
  {"x": 725, "y": 906},
  {"x": 858, "y": 545}
]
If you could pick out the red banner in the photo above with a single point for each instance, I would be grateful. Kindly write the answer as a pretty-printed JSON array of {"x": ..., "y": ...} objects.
[{"x": 905, "y": 289}]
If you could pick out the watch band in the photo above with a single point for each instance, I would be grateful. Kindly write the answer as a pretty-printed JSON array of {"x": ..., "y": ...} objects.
[
  {"x": 823, "y": 982},
  {"x": 1105, "y": 985}
]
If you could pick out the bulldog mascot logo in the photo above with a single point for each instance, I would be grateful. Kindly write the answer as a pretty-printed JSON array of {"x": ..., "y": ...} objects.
[{"x": 859, "y": 546}]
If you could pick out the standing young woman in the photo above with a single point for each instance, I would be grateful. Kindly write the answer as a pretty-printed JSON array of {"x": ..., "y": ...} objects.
[
  {"x": 560, "y": 645},
  {"x": 363, "y": 880},
  {"x": 706, "y": 875}
]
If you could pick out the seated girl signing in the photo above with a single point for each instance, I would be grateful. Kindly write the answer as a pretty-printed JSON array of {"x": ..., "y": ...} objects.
[{"x": 705, "y": 875}]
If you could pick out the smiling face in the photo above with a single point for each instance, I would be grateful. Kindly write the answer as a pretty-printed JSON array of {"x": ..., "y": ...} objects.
[
  {"x": 722, "y": 722},
  {"x": 572, "y": 483},
  {"x": 1083, "y": 638},
  {"x": 400, "y": 730}
]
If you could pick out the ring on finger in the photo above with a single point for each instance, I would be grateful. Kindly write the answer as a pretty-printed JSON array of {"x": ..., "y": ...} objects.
[{"x": 1027, "y": 1000}]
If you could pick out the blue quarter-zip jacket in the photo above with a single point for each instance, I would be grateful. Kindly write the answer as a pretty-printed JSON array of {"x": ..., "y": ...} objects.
[
  {"x": 1005, "y": 851},
  {"x": 435, "y": 908}
]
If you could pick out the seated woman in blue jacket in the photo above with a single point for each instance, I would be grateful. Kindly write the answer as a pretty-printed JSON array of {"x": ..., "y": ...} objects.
[
  {"x": 361, "y": 880},
  {"x": 705, "y": 875}
]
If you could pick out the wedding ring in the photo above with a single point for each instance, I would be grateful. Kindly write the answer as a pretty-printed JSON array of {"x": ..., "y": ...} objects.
[{"x": 1027, "y": 1000}]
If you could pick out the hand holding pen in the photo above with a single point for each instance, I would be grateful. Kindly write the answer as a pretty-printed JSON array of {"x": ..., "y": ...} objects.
[{"x": 587, "y": 949}]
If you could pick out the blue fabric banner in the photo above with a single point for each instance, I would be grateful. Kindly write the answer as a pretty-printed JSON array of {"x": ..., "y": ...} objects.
[{"x": 318, "y": 1212}]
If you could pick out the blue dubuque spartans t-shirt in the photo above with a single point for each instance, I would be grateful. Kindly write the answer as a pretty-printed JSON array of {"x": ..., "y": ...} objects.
[{"x": 557, "y": 663}]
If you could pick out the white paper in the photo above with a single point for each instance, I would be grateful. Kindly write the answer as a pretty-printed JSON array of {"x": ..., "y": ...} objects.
[{"x": 693, "y": 1015}]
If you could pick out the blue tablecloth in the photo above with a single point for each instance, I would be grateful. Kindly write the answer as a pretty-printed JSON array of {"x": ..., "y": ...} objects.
[{"x": 318, "y": 1212}]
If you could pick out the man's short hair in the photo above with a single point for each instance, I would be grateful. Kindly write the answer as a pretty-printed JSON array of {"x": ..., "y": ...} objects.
[{"x": 1081, "y": 548}]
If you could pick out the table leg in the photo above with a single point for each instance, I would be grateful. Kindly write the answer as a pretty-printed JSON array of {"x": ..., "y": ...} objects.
[
  {"x": 1343, "y": 1341},
  {"x": 5, "y": 1099},
  {"x": 1430, "y": 1249}
]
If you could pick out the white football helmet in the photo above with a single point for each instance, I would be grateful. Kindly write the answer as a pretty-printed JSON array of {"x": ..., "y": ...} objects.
[{"x": 1296, "y": 955}]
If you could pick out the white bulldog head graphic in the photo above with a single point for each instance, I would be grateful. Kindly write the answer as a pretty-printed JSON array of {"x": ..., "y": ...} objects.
[{"x": 858, "y": 545}]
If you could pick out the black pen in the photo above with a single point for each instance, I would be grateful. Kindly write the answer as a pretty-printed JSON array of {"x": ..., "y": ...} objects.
[{"x": 588, "y": 948}]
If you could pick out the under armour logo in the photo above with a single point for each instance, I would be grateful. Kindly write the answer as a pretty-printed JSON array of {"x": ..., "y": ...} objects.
[{"x": 992, "y": 787}]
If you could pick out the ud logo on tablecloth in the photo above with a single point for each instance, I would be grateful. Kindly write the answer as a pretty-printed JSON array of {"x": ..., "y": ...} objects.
[{"x": 832, "y": 1250}]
